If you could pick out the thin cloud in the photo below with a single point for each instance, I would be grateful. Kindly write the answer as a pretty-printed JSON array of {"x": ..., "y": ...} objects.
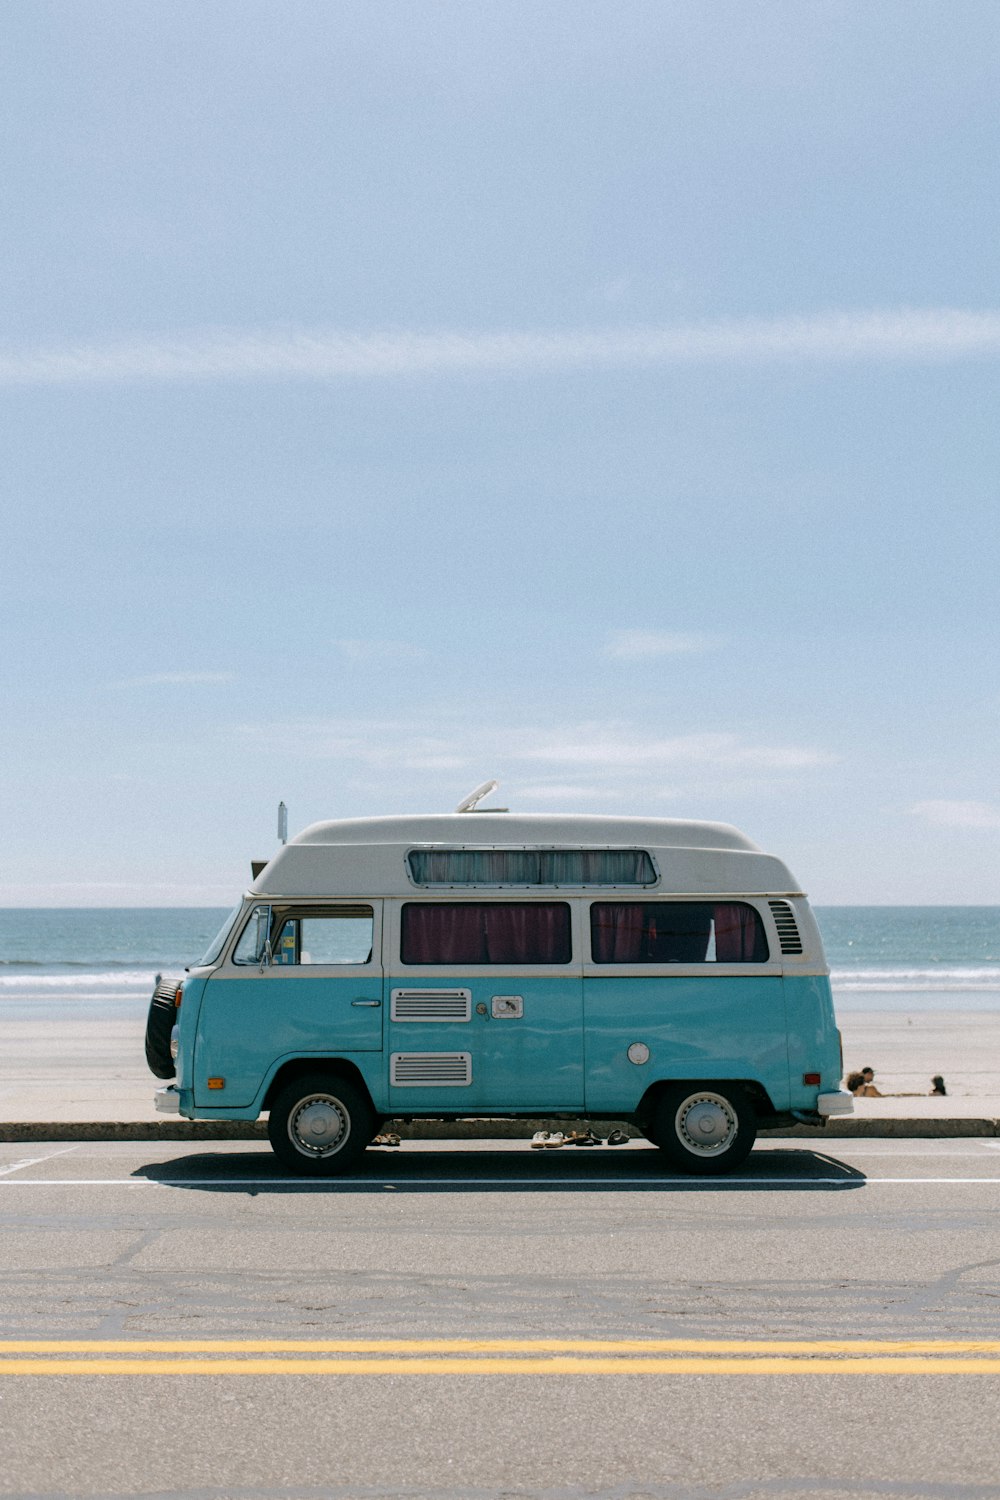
[
  {"x": 580, "y": 751},
  {"x": 619, "y": 748},
  {"x": 947, "y": 814},
  {"x": 557, "y": 792},
  {"x": 646, "y": 645},
  {"x": 906, "y": 335},
  {"x": 363, "y": 652},
  {"x": 385, "y": 745},
  {"x": 176, "y": 679}
]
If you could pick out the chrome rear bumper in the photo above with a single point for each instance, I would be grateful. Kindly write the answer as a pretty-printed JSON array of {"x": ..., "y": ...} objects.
[{"x": 838, "y": 1103}]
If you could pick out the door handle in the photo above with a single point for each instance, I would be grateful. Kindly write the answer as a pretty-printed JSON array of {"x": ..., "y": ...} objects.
[{"x": 373, "y": 1003}]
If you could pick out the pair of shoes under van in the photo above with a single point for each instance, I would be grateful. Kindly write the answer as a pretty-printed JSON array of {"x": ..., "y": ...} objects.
[
  {"x": 617, "y": 1138},
  {"x": 583, "y": 1138},
  {"x": 386, "y": 1140}
]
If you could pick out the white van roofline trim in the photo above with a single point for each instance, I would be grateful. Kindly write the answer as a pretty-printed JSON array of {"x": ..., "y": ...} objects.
[
  {"x": 543, "y": 892},
  {"x": 510, "y": 830}
]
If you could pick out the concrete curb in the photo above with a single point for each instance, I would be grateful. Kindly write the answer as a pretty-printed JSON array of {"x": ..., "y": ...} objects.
[{"x": 468, "y": 1130}]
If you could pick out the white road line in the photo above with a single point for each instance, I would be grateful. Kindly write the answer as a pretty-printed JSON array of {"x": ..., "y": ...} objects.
[
  {"x": 474, "y": 1183},
  {"x": 33, "y": 1161},
  {"x": 895, "y": 1155}
]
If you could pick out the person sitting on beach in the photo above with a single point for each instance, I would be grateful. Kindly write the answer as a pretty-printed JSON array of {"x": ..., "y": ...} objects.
[
  {"x": 937, "y": 1085},
  {"x": 862, "y": 1084}
]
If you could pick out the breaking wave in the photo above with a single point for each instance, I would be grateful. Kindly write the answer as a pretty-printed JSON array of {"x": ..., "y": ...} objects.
[
  {"x": 127, "y": 982},
  {"x": 963, "y": 979}
]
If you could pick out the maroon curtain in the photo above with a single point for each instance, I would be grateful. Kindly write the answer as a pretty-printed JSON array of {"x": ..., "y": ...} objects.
[
  {"x": 504, "y": 932},
  {"x": 529, "y": 934},
  {"x": 662, "y": 932},
  {"x": 736, "y": 933},
  {"x": 617, "y": 931},
  {"x": 442, "y": 934}
]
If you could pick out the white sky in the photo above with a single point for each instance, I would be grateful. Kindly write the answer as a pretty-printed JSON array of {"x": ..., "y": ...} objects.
[{"x": 597, "y": 396}]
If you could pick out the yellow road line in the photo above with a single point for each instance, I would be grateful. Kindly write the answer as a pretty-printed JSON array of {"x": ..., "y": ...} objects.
[
  {"x": 553, "y": 1365},
  {"x": 610, "y": 1347}
]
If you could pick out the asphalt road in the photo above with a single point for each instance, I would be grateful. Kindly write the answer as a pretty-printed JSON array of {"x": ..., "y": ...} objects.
[{"x": 474, "y": 1323}]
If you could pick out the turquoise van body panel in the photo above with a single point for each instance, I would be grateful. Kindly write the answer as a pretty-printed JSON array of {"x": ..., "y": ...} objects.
[
  {"x": 187, "y": 1027},
  {"x": 566, "y": 1051},
  {"x": 813, "y": 1038},
  {"x": 524, "y": 1036},
  {"x": 248, "y": 1023},
  {"x": 718, "y": 1026},
  {"x": 368, "y": 1064}
]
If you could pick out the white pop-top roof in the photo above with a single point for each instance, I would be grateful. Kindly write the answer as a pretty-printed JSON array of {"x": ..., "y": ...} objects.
[{"x": 367, "y": 856}]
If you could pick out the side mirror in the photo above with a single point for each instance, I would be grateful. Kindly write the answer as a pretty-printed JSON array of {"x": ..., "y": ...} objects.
[{"x": 263, "y": 938}]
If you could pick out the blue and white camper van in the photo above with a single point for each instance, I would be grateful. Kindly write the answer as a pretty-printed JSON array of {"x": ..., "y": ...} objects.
[{"x": 660, "y": 972}]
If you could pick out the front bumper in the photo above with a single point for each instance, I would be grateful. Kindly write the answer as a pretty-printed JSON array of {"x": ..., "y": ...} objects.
[
  {"x": 835, "y": 1105},
  {"x": 168, "y": 1100}
]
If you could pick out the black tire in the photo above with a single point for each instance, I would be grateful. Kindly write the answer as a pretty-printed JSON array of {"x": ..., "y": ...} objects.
[
  {"x": 160, "y": 1023},
  {"x": 334, "y": 1139},
  {"x": 705, "y": 1129}
]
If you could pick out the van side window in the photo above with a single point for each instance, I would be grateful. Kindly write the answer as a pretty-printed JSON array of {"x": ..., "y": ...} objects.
[
  {"x": 325, "y": 939},
  {"x": 676, "y": 932},
  {"x": 486, "y": 932},
  {"x": 573, "y": 867}
]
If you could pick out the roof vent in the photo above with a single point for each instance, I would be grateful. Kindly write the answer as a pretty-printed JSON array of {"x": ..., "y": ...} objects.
[
  {"x": 471, "y": 802},
  {"x": 788, "y": 931}
]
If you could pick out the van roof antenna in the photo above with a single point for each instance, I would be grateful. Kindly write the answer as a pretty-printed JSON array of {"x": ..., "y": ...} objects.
[{"x": 471, "y": 802}]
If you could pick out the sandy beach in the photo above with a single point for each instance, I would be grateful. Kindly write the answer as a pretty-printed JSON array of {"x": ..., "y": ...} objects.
[
  {"x": 907, "y": 1050},
  {"x": 93, "y": 1069}
]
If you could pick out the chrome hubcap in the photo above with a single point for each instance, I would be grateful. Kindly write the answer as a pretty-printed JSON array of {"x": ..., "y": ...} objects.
[
  {"x": 706, "y": 1123},
  {"x": 319, "y": 1126}
]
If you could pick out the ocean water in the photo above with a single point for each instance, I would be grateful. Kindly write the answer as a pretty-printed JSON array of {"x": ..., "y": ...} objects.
[
  {"x": 913, "y": 957},
  {"x": 882, "y": 958},
  {"x": 105, "y": 959}
]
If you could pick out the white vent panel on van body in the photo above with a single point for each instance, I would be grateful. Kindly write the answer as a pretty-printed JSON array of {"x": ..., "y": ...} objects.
[
  {"x": 788, "y": 928},
  {"x": 430, "y": 1070},
  {"x": 430, "y": 1005}
]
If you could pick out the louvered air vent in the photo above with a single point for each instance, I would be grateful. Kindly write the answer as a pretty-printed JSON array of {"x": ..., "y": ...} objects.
[
  {"x": 430, "y": 1070},
  {"x": 788, "y": 932},
  {"x": 431, "y": 1005}
]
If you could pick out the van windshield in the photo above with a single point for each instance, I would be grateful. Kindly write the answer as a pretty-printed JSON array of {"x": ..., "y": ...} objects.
[{"x": 219, "y": 941}]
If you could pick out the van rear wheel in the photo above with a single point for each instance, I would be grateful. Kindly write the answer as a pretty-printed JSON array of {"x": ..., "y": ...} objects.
[
  {"x": 319, "y": 1125},
  {"x": 705, "y": 1130}
]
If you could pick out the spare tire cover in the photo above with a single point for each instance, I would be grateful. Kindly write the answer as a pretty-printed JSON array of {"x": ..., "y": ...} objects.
[{"x": 160, "y": 1023}]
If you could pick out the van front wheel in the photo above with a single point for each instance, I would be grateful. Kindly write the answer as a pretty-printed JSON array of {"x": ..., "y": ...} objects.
[
  {"x": 319, "y": 1125},
  {"x": 705, "y": 1131}
]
